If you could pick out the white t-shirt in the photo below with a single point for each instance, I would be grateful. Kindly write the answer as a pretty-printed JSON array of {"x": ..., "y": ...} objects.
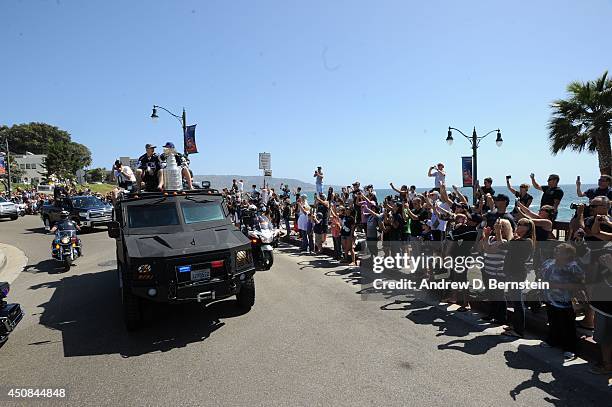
[
  {"x": 438, "y": 178},
  {"x": 303, "y": 220},
  {"x": 434, "y": 216},
  {"x": 240, "y": 186},
  {"x": 127, "y": 173}
]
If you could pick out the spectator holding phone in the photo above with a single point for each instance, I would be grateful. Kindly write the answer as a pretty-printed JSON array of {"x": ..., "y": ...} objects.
[{"x": 551, "y": 193}]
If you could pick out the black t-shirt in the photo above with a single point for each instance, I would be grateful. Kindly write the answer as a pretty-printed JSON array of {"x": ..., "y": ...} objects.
[
  {"x": 519, "y": 251},
  {"x": 398, "y": 220},
  {"x": 593, "y": 192},
  {"x": 347, "y": 224},
  {"x": 487, "y": 190},
  {"x": 322, "y": 209},
  {"x": 416, "y": 226},
  {"x": 525, "y": 199},
  {"x": 465, "y": 233},
  {"x": 550, "y": 194},
  {"x": 149, "y": 165}
]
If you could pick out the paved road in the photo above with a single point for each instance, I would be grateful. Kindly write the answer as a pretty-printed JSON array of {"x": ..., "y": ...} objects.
[{"x": 309, "y": 340}]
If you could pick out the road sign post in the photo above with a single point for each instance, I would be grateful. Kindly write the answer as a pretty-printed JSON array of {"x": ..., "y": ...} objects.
[{"x": 265, "y": 164}]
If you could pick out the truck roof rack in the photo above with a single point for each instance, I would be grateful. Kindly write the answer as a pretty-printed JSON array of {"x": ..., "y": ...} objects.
[{"x": 133, "y": 196}]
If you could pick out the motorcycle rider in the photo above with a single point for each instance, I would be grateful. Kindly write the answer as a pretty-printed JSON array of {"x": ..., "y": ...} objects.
[{"x": 65, "y": 223}]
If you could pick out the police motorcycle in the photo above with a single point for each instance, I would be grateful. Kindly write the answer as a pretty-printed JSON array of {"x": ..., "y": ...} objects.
[
  {"x": 259, "y": 229},
  {"x": 10, "y": 314},
  {"x": 66, "y": 246}
]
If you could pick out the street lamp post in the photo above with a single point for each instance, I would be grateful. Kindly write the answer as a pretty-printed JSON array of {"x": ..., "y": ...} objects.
[
  {"x": 475, "y": 142},
  {"x": 182, "y": 119}
]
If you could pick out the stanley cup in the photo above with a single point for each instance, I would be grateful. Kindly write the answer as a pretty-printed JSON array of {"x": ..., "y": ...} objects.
[{"x": 173, "y": 180}]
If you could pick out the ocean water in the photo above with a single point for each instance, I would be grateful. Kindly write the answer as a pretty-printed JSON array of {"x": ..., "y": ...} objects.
[{"x": 565, "y": 213}]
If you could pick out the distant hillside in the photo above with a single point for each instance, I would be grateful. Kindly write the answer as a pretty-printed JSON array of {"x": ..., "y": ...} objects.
[{"x": 225, "y": 181}]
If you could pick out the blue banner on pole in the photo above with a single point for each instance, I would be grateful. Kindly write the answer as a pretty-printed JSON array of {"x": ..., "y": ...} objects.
[
  {"x": 466, "y": 171},
  {"x": 2, "y": 165},
  {"x": 189, "y": 142}
]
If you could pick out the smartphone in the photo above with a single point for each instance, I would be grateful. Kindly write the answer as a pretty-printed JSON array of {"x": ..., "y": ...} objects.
[{"x": 578, "y": 178}]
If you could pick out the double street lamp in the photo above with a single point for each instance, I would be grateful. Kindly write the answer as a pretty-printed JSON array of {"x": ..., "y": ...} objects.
[
  {"x": 182, "y": 119},
  {"x": 475, "y": 142}
]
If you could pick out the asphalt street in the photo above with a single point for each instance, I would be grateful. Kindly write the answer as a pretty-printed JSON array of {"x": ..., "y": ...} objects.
[{"x": 309, "y": 340}]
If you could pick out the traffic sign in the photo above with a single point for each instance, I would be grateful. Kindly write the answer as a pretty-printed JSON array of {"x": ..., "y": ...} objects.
[{"x": 265, "y": 161}]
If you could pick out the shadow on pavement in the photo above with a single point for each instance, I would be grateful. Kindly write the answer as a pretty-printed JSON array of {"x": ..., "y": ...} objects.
[
  {"x": 563, "y": 390},
  {"x": 92, "y": 324},
  {"x": 46, "y": 266}
]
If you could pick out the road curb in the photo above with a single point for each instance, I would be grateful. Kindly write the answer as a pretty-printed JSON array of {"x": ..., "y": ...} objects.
[
  {"x": 2, "y": 260},
  {"x": 13, "y": 264}
]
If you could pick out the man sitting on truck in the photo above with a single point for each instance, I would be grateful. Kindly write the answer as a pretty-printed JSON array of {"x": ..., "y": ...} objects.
[{"x": 148, "y": 171}]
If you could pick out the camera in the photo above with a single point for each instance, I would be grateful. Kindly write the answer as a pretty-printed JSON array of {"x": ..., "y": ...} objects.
[
  {"x": 586, "y": 212},
  {"x": 508, "y": 176}
]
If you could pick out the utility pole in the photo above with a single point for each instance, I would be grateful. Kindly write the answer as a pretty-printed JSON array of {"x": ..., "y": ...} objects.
[{"x": 8, "y": 166}]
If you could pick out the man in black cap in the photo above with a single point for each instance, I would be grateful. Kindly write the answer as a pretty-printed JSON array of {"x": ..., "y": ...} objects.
[
  {"x": 181, "y": 161},
  {"x": 148, "y": 170}
]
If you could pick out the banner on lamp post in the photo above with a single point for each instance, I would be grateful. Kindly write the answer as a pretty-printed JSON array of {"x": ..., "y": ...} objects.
[
  {"x": 466, "y": 171},
  {"x": 189, "y": 140}
]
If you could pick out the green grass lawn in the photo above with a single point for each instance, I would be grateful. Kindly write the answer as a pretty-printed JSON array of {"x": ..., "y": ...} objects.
[{"x": 97, "y": 188}]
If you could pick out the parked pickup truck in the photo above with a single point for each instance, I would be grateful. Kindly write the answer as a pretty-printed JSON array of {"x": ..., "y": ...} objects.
[{"x": 87, "y": 211}]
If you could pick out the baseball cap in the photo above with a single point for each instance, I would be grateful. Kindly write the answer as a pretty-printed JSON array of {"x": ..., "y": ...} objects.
[
  {"x": 169, "y": 144},
  {"x": 150, "y": 145}
]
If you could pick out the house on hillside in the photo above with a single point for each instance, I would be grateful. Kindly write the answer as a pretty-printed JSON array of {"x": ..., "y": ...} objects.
[{"x": 31, "y": 166}]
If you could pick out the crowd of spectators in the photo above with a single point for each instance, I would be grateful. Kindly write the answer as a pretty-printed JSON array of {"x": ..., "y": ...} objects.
[{"x": 513, "y": 243}]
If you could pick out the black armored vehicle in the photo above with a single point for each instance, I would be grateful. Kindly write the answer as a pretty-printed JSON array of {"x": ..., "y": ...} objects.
[{"x": 179, "y": 246}]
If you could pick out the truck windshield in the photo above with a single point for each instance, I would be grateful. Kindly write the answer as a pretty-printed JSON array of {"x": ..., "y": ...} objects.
[
  {"x": 87, "y": 202},
  {"x": 196, "y": 212},
  {"x": 163, "y": 214}
]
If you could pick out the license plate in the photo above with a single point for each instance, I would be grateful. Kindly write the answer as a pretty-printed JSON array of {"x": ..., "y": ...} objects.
[{"x": 203, "y": 274}]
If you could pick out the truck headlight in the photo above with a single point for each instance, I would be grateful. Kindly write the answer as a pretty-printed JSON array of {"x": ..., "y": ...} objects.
[
  {"x": 144, "y": 272},
  {"x": 243, "y": 258},
  {"x": 144, "y": 268},
  {"x": 83, "y": 214}
]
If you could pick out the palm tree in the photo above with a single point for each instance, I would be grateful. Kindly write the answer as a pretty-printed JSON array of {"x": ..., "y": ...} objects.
[{"x": 583, "y": 121}]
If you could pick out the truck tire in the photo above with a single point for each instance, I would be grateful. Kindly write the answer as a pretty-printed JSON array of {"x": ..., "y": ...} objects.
[
  {"x": 268, "y": 260},
  {"x": 246, "y": 295},
  {"x": 14, "y": 217},
  {"x": 132, "y": 313}
]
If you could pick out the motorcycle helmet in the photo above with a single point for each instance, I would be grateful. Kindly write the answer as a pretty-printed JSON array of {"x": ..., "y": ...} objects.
[
  {"x": 262, "y": 209},
  {"x": 64, "y": 214},
  {"x": 252, "y": 207}
]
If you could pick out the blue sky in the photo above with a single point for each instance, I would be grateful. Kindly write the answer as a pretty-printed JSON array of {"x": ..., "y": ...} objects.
[{"x": 365, "y": 89}]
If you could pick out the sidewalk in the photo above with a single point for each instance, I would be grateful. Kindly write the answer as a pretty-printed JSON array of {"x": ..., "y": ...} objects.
[{"x": 536, "y": 323}]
